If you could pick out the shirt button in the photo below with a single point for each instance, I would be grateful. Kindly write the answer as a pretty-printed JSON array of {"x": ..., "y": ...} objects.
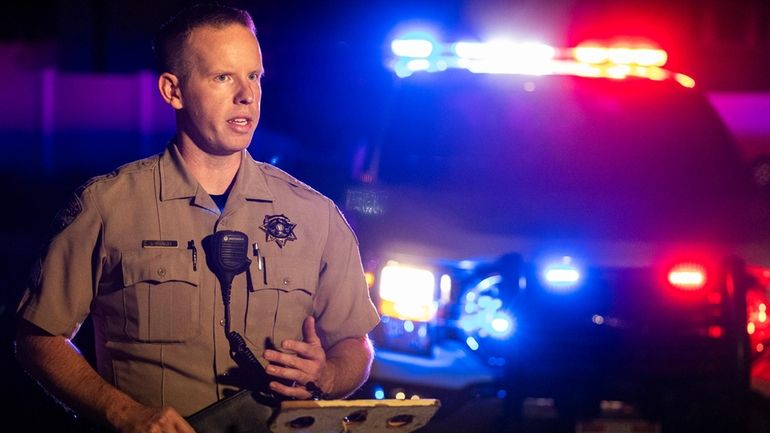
[
  {"x": 162, "y": 271},
  {"x": 222, "y": 322},
  {"x": 286, "y": 281}
]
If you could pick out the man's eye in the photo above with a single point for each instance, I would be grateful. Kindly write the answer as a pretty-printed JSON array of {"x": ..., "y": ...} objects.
[
  {"x": 254, "y": 76},
  {"x": 222, "y": 77}
]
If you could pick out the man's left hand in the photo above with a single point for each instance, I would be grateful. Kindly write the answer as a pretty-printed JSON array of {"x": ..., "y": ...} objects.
[{"x": 307, "y": 367}]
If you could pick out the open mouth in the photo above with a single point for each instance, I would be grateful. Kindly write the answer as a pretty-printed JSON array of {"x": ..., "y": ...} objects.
[{"x": 241, "y": 121}]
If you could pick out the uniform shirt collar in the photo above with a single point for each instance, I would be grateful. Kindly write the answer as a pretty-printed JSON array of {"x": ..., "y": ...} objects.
[
  {"x": 250, "y": 181},
  {"x": 176, "y": 182}
]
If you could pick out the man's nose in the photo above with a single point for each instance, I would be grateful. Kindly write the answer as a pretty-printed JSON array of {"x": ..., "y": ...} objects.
[{"x": 246, "y": 94}]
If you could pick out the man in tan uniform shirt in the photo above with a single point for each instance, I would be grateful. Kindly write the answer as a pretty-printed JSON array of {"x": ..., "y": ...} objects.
[{"x": 128, "y": 251}]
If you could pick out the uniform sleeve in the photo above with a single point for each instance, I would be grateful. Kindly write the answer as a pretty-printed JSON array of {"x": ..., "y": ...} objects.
[
  {"x": 60, "y": 291},
  {"x": 342, "y": 304}
]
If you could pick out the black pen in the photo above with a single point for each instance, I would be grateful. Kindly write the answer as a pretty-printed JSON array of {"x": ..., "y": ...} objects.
[
  {"x": 264, "y": 270},
  {"x": 191, "y": 246}
]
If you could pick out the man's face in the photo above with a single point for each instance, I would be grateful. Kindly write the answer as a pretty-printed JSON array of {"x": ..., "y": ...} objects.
[{"x": 220, "y": 90}]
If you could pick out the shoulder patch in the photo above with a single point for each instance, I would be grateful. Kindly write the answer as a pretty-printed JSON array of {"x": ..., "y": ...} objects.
[{"x": 66, "y": 215}]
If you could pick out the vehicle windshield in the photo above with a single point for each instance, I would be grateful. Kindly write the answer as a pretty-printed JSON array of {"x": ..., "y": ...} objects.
[{"x": 564, "y": 156}]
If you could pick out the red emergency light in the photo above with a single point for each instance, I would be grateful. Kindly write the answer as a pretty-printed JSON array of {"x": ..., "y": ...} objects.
[
  {"x": 687, "y": 276},
  {"x": 620, "y": 53}
]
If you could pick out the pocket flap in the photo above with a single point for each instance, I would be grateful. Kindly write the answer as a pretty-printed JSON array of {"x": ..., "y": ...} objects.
[
  {"x": 286, "y": 273},
  {"x": 158, "y": 266}
]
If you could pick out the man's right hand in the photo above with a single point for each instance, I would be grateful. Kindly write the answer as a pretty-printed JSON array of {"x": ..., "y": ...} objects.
[{"x": 145, "y": 419}]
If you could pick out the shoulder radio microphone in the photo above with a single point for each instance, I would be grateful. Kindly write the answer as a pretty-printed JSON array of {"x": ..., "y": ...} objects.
[{"x": 227, "y": 255}]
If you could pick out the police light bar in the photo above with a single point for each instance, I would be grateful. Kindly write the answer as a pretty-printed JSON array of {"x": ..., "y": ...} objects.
[{"x": 614, "y": 59}]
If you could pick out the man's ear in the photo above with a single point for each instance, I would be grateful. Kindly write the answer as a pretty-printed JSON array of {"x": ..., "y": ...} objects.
[{"x": 168, "y": 85}]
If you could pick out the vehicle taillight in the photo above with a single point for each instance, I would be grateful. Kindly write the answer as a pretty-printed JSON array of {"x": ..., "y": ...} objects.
[
  {"x": 687, "y": 276},
  {"x": 758, "y": 326}
]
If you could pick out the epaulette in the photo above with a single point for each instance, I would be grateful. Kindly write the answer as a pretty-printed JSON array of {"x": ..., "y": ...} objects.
[
  {"x": 277, "y": 173},
  {"x": 142, "y": 164}
]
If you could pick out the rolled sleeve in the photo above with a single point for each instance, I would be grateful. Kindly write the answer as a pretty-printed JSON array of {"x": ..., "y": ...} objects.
[{"x": 342, "y": 305}]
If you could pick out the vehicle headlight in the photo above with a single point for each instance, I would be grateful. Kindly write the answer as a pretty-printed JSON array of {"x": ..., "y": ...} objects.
[
  {"x": 407, "y": 292},
  {"x": 562, "y": 276},
  {"x": 484, "y": 315}
]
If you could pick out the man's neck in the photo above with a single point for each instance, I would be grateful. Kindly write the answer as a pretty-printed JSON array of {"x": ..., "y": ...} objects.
[{"x": 215, "y": 173}]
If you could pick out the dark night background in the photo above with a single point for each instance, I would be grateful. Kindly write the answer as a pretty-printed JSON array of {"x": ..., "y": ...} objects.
[{"x": 324, "y": 92}]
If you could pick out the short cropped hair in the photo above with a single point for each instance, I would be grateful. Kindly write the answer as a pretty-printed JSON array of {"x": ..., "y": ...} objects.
[{"x": 168, "y": 44}]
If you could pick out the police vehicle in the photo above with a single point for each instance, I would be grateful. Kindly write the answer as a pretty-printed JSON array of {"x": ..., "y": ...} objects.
[{"x": 559, "y": 239}]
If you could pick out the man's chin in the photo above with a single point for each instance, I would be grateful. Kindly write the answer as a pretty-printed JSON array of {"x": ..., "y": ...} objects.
[
  {"x": 229, "y": 148},
  {"x": 218, "y": 146}
]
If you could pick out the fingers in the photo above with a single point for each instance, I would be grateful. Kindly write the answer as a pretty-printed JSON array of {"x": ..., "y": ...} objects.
[
  {"x": 304, "y": 350},
  {"x": 173, "y": 421},
  {"x": 298, "y": 392},
  {"x": 310, "y": 348},
  {"x": 285, "y": 359},
  {"x": 309, "y": 333},
  {"x": 182, "y": 426},
  {"x": 291, "y": 367},
  {"x": 142, "y": 419},
  {"x": 302, "y": 366},
  {"x": 169, "y": 420}
]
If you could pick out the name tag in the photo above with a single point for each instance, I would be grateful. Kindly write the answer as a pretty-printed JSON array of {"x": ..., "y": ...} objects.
[{"x": 159, "y": 244}]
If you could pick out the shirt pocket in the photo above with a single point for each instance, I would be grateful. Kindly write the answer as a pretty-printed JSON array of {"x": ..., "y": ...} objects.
[
  {"x": 282, "y": 296},
  {"x": 161, "y": 296}
]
